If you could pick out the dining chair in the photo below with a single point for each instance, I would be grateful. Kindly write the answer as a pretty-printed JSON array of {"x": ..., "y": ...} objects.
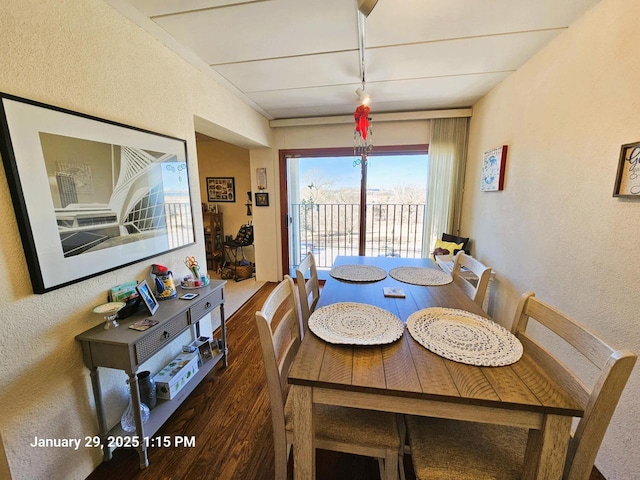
[
  {"x": 347, "y": 430},
  {"x": 478, "y": 291},
  {"x": 308, "y": 289},
  {"x": 465, "y": 450}
]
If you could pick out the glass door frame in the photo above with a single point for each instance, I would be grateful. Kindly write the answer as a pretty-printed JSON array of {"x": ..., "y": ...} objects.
[{"x": 285, "y": 155}]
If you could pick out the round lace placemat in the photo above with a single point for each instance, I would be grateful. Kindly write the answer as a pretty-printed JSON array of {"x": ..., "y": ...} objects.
[
  {"x": 358, "y": 273},
  {"x": 355, "y": 324},
  {"x": 464, "y": 337},
  {"x": 420, "y": 276}
]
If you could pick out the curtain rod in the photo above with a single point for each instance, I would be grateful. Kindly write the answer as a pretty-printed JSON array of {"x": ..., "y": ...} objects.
[{"x": 378, "y": 117}]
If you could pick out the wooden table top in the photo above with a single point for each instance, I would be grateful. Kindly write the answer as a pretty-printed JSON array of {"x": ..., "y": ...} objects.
[{"x": 407, "y": 369}]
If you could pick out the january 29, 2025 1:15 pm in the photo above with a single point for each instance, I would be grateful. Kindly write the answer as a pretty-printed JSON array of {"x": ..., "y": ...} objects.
[{"x": 133, "y": 441}]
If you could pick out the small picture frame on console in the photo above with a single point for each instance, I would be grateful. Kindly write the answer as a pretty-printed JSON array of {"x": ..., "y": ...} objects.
[{"x": 147, "y": 297}]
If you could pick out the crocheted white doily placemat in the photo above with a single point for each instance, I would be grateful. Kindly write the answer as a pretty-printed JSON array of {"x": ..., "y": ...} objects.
[
  {"x": 358, "y": 273},
  {"x": 420, "y": 276},
  {"x": 355, "y": 324},
  {"x": 464, "y": 337}
]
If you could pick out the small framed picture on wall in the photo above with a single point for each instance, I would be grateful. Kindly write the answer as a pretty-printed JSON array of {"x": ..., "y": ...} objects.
[
  {"x": 221, "y": 189},
  {"x": 262, "y": 199},
  {"x": 628, "y": 176},
  {"x": 261, "y": 178},
  {"x": 493, "y": 166}
]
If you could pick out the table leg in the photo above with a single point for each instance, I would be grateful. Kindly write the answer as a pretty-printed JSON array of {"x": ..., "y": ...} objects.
[
  {"x": 304, "y": 452},
  {"x": 102, "y": 420},
  {"x": 547, "y": 449},
  {"x": 223, "y": 330},
  {"x": 137, "y": 416}
]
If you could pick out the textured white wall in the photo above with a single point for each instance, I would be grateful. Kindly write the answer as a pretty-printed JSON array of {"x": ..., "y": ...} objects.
[
  {"x": 85, "y": 56},
  {"x": 555, "y": 229}
]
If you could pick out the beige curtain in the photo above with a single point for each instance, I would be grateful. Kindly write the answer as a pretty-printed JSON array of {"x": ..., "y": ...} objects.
[{"x": 447, "y": 162}]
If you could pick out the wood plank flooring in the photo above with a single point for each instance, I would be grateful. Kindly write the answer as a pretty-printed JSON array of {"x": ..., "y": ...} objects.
[{"x": 229, "y": 416}]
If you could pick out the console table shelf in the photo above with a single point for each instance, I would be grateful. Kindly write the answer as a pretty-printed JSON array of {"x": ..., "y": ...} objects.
[{"x": 125, "y": 349}]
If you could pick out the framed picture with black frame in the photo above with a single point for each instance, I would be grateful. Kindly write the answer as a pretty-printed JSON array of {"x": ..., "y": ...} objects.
[
  {"x": 91, "y": 195},
  {"x": 221, "y": 189},
  {"x": 262, "y": 199}
]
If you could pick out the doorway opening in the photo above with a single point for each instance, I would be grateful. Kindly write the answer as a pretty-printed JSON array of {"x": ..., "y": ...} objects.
[{"x": 225, "y": 186}]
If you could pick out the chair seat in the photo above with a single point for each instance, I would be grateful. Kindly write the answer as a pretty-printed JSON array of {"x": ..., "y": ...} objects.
[
  {"x": 448, "y": 449},
  {"x": 377, "y": 429},
  {"x": 234, "y": 244},
  {"x": 244, "y": 238}
]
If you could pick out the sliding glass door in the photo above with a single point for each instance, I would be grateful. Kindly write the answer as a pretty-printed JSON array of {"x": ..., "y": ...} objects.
[
  {"x": 396, "y": 192},
  {"x": 336, "y": 205}
]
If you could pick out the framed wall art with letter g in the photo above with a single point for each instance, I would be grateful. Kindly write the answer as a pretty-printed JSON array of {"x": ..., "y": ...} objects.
[{"x": 628, "y": 177}]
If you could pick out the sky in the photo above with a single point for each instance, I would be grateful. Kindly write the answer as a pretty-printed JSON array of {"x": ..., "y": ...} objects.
[{"x": 384, "y": 171}]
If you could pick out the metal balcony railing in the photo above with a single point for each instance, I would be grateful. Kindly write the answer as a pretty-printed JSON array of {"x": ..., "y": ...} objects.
[{"x": 329, "y": 230}]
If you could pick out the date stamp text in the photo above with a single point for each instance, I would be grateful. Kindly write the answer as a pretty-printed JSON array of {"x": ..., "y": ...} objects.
[{"x": 111, "y": 441}]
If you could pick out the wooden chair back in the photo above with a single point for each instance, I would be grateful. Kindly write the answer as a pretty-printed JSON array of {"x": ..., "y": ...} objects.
[
  {"x": 600, "y": 400},
  {"x": 308, "y": 289},
  {"x": 478, "y": 291},
  {"x": 279, "y": 331}
]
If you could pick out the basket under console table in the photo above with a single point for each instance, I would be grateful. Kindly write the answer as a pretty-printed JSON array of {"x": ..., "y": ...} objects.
[{"x": 125, "y": 349}]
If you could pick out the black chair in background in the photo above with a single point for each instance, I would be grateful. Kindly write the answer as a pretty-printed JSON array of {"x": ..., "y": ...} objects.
[
  {"x": 241, "y": 268},
  {"x": 463, "y": 240}
]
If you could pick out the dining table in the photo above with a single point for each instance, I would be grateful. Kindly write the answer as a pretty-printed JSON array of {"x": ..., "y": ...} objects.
[{"x": 405, "y": 377}]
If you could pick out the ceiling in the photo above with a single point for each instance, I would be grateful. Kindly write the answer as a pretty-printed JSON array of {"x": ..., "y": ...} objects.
[{"x": 300, "y": 58}]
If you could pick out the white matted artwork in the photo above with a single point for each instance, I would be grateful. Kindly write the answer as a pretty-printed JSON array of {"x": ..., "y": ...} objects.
[
  {"x": 493, "y": 167},
  {"x": 261, "y": 178},
  {"x": 91, "y": 195}
]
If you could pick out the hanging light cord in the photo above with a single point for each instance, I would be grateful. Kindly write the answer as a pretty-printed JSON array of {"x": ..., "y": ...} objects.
[
  {"x": 362, "y": 134},
  {"x": 361, "y": 46}
]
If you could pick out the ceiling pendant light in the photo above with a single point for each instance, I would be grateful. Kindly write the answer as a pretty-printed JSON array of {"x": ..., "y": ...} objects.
[
  {"x": 363, "y": 96},
  {"x": 363, "y": 133}
]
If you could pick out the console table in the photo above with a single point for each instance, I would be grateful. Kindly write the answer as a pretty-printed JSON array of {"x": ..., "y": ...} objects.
[{"x": 125, "y": 349}]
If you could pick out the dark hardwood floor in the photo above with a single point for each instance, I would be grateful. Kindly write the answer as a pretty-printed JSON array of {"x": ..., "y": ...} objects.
[{"x": 230, "y": 418}]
